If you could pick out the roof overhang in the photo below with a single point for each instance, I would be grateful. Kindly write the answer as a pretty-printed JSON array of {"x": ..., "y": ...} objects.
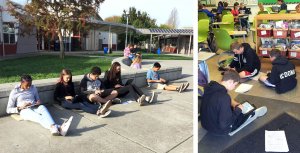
[
  {"x": 117, "y": 28},
  {"x": 177, "y": 32}
]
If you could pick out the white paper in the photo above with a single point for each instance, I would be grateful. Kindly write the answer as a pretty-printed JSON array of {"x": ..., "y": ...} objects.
[
  {"x": 293, "y": 54},
  {"x": 279, "y": 33},
  {"x": 297, "y": 34},
  {"x": 243, "y": 88},
  {"x": 263, "y": 32},
  {"x": 279, "y": 23},
  {"x": 246, "y": 107},
  {"x": 127, "y": 102},
  {"x": 264, "y": 52},
  {"x": 275, "y": 141}
]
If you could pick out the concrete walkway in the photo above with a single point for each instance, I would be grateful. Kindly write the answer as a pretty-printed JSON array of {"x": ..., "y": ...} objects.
[{"x": 164, "y": 126}]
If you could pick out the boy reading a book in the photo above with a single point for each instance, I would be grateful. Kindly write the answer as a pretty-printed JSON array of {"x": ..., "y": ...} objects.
[{"x": 221, "y": 115}]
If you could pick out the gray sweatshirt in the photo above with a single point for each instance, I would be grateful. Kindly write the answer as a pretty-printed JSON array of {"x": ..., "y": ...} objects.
[{"x": 18, "y": 97}]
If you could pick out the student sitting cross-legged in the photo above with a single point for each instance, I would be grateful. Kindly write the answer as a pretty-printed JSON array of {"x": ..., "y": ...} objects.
[
  {"x": 246, "y": 61},
  {"x": 64, "y": 93},
  {"x": 283, "y": 74},
  {"x": 94, "y": 91},
  {"x": 24, "y": 99},
  {"x": 220, "y": 114},
  {"x": 154, "y": 80},
  {"x": 113, "y": 80}
]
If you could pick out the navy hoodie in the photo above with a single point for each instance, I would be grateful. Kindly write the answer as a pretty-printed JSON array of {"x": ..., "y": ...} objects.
[
  {"x": 217, "y": 115},
  {"x": 247, "y": 61},
  {"x": 283, "y": 75}
]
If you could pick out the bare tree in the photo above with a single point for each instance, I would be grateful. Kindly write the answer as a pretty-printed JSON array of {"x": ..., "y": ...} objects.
[{"x": 173, "y": 20}]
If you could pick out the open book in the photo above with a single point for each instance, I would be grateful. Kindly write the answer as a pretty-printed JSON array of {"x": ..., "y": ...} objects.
[{"x": 247, "y": 107}]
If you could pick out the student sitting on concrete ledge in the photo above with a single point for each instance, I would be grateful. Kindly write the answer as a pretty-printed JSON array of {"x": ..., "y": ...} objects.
[
  {"x": 24, "y": 99},
  {"x": 112, "y": 80},
  {"x": 221, "y": 115},
  {"x": 154, "y": 80},
  {"x": 94, "y": 91},
  {"x": 64, "y": 93},
  {"x": 283, "y": 74}
]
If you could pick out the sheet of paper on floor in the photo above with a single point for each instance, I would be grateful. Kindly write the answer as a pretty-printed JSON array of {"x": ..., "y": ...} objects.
[
  {"x": 127, "y": 102},
  {"x": 242, "y": 88},
  {"x": 275, "y": 141},
  {"x": 257, "y": 76}
]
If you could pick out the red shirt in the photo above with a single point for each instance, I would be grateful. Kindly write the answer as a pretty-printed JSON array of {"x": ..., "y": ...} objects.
[{"x": 235, "y": 12}]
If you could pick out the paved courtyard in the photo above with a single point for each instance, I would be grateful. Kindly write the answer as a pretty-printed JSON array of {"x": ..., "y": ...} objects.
[{"x": 164, "y": 126}]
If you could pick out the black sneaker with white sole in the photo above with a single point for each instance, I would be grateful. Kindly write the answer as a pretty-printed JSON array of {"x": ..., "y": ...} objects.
[
  {"x": 116, "y": 101},
  {"x": 180, "y": 89},
  {"x": 185, "y": 86}
]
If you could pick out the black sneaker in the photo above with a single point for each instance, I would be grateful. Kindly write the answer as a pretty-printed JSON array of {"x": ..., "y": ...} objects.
[
  {"x": 180, "y": 89},
  {"x": 116, "y": 101},
  {"x": 185, "y": 86}
]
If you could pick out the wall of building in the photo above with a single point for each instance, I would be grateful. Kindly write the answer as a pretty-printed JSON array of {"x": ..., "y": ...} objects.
[
  {"x": 23, "y": 44},
  {"x": 96, "y": 40}
]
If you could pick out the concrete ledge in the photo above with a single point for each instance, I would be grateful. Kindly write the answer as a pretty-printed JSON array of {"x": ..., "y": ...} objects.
[{"x": 46, "y": 86}]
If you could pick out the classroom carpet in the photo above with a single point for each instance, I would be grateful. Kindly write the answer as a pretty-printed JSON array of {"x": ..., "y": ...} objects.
[{"x": 277, "y": 109}]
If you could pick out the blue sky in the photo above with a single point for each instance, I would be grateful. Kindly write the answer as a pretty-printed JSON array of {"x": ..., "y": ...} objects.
[{"x": 157, "y": 9}]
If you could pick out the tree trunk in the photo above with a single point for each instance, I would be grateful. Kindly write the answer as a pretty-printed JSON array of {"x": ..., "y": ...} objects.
[{"x": 61, "y": 45}]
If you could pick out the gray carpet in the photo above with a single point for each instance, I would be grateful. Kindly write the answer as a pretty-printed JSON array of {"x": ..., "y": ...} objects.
[
  {"x": 255, "y": 142},
  {"x": 215, "y": 144}
]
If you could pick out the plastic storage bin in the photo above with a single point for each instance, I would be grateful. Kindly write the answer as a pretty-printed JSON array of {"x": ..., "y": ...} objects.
[
  {"x": 280, "y": 33},
  {"x": 293, "y": 53},
  {"x": 295, "y": 33},
  {"x": 261, "y": 32}
]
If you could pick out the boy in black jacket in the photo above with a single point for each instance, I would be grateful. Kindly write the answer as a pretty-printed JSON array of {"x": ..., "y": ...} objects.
[
  {"x": 93, "y": 89},
  {"x": 221, "y": 115},
  {"x": 283, "y": 73},
  {"x": 245, "y": 61}
]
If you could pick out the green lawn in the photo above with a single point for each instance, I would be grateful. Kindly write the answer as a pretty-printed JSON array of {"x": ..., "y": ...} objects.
[
  {"x": 47, "y": 66},
  {"x": 152, "y": 56}
]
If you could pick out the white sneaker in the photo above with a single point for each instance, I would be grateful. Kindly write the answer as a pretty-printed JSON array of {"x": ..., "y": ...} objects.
[
  {"x": 105, "y": 114},
  {"x": 151, "y": 98},
  {"x": 141, "y": 100},
  {"x": 65, "y": 126},
  {"x": 105, "y": 107},
  {"x": 54, "y": 130},
  {"x": 261, "y": 111}
]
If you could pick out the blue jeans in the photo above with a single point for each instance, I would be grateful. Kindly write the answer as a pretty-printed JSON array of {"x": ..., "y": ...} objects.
[
  {"x": 38, "y": 114},
  {"x": 85, "y": 106}
]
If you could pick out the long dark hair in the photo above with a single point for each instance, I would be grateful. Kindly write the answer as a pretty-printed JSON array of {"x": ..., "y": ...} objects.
[
  {"x": 112, "y": 73},
  {"x": 65, "y": 72}
]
